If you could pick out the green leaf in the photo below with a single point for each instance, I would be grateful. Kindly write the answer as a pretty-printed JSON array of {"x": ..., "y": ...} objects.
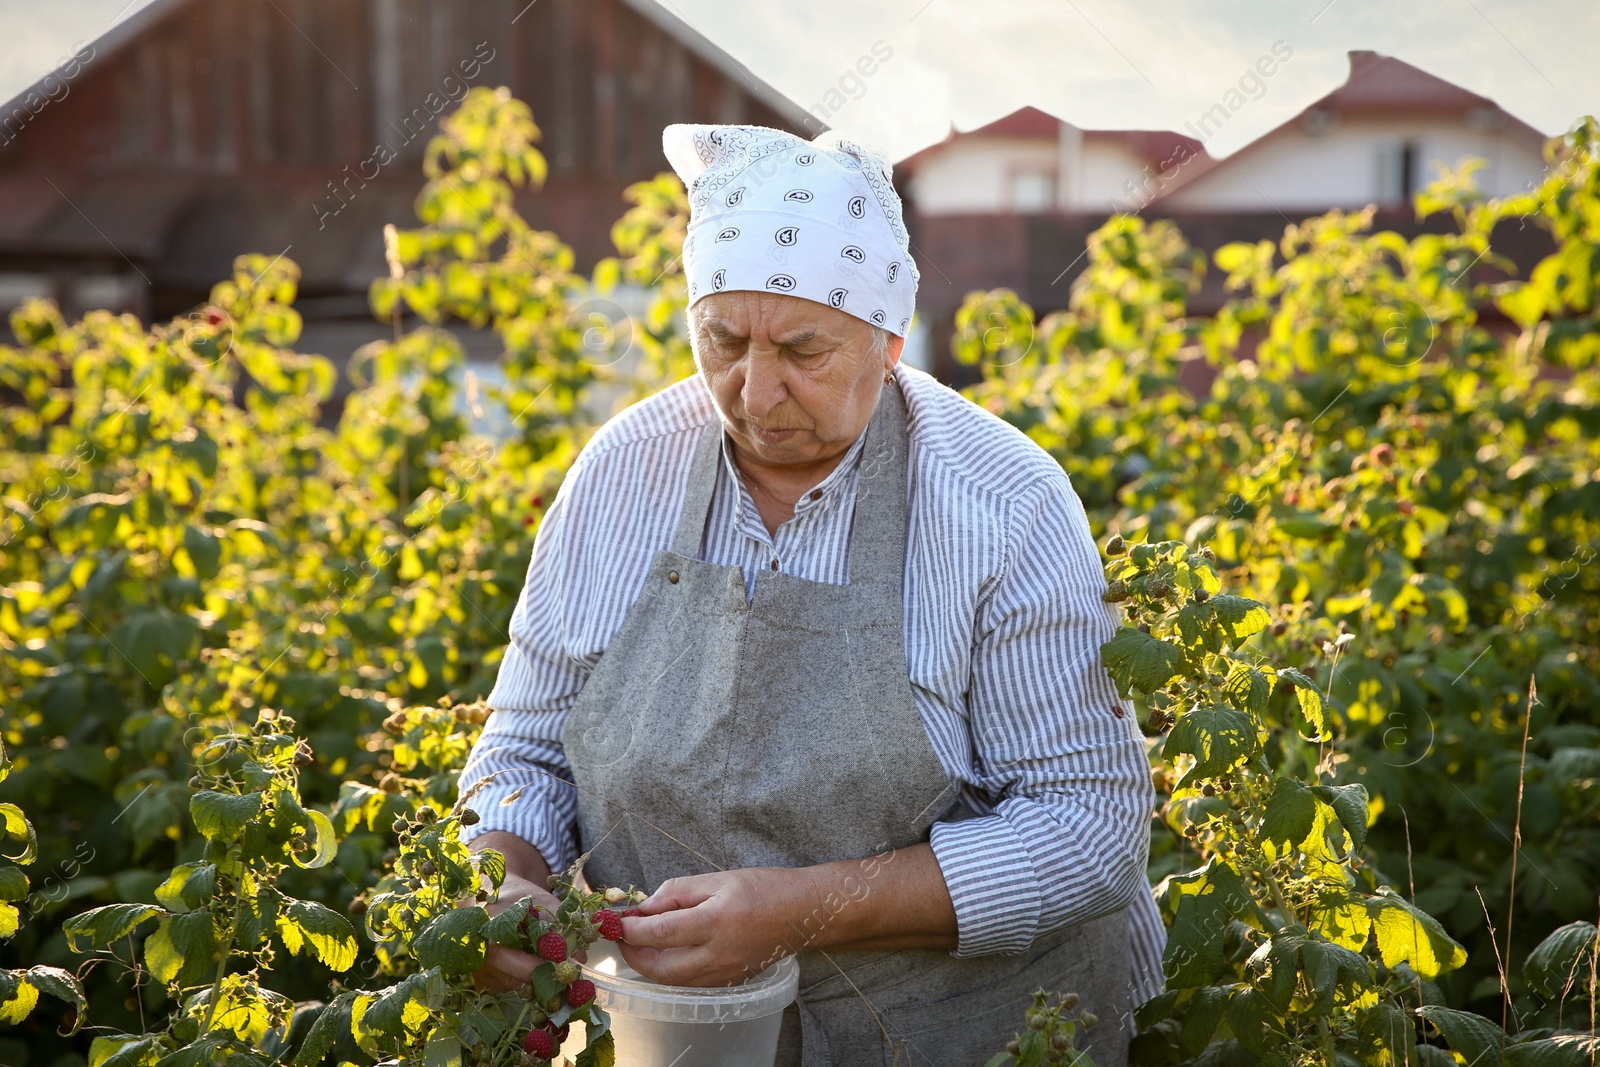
[
  {"x": 64, "y": 986},
  {"x": 13, "y": 884},
  {"x": 1557, "y": 1050},
  {"x": 1291, "y": 814},
  {"x": 453, "y": 942},
  {"x": 1350, "y": 803},
  {"x": 1407, "y": 934},
  {"x": 1553, "y": 964},
  {"x": 183, "y": 948},
  {"x": 1473, "y": 1036},
  {"x": 223, "y": 816},
  {"x": 1310, "y": 699},
  {"x": 1220, "y": 739},
  {"x": 1201, "y": 1017},
  {"x": 153, "y": 641},
  {"x": 258, "y": 919},
  {"x": 188, "y": 887},
  {"x": 1239, "y": 617},
  {"x": 328, "y": 934},
  {"x": 602, "y": 1052},
  {"x": 101, "y": 926},
  {"x": 17, "y": 827},
  {"x": 205, "y": 551},
  {"x": 321, "y": 842},
  {"x": 442, "y": 1052},
  {"x": 544, "y": 982},
  {"x": 1334, "y": 973},
  {"x": 332, "y": 1023},
  {"x": 20, "y": 1002},
  {"x": 127, "y": 1050},
  {"x": 1138, "y": 661}
]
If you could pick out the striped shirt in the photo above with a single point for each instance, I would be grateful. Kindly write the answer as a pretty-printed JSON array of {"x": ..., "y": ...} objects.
[{"x": 1003, "y": 626}]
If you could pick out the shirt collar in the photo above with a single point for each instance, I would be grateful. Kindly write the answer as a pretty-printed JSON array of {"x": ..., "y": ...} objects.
[{"x": 813, "y": 497}]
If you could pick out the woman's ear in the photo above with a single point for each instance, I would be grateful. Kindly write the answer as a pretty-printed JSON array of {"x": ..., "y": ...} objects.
[{"x": 896, "y": 345}]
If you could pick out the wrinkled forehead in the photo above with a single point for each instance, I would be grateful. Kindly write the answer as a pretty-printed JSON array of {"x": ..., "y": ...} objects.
[{"x": 741, "y": 314}]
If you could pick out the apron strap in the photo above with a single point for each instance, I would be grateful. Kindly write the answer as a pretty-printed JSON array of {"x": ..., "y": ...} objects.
[
  {"x": 702, "y": 487},
  {"x": 878, "y": 528}
]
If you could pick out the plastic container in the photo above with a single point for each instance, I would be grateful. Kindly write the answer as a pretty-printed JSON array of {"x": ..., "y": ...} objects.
[{"x": 688, "y": 1026}]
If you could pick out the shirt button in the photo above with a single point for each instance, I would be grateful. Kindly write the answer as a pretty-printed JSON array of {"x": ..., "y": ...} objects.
[
  {"x": 1116, "y": 709},
  {"x": 815, "y": 494},
  {"x": 672, "y": 576},
  {"x": 774, "y": 564}
]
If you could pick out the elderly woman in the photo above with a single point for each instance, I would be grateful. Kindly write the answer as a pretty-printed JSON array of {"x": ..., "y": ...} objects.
[{"x": 815, "y": 642}]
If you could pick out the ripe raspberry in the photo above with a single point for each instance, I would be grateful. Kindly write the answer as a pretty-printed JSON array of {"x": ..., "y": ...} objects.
[
  {"x": 610, "y": 924},
  {"x": 580, "y": 992},
  {"x": 540, "y": 1043},
  {"x": 552, "y": 946},
  {"x": 567, "y": 972}
]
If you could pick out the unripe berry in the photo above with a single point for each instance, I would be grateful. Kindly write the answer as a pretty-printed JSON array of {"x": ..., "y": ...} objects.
[{"x": 568, "y": 972}]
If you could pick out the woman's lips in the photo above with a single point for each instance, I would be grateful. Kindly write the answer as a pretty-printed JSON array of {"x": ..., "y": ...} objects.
[{"x": 770, "y": 437}]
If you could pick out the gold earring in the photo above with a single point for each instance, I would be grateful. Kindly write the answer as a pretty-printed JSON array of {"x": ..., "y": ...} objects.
[{"x": 888, "y": 376}]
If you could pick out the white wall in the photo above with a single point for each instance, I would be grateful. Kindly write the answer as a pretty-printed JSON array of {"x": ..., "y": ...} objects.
[
  {"x": 1354, "y": 163},
  {"x": 979, "y": 174}
]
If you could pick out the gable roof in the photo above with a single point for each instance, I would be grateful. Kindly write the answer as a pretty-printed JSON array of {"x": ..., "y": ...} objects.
[{"x": 126, "y": 30}]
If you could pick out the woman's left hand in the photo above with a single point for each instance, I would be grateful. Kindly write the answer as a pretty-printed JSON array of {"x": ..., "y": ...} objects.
[{"x": 720, "y": 929}]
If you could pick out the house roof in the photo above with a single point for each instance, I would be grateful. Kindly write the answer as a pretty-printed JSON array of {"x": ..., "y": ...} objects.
[
  {"x": 1377, "y": 85},
  {"x": 131, "y": 27}
]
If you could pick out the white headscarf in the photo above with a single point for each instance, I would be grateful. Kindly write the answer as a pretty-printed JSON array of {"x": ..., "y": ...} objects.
[{"x": 815, "y": 219}]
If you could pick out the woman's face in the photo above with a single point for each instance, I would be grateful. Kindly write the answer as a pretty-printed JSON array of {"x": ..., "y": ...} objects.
[{"x": 795, "y": 381}]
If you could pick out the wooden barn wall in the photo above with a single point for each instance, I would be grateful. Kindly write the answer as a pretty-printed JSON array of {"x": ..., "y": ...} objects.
[{"x": 244, "y": 87}]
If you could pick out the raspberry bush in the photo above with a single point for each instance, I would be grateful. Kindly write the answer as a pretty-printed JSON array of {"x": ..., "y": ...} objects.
[{"x": 244, "y": 639}]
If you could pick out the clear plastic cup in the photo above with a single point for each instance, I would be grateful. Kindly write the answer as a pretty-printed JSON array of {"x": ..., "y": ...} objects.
[{"x": 688, "y": 1026}]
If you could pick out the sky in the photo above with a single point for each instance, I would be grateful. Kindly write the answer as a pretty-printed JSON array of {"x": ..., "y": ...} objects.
[{"x": 901, "y": 74}]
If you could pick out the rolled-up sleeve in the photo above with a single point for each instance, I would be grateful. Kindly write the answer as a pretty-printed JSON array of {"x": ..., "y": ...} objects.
[
  {"x": 530, "y": 793},
  {"x": 1055, "y": 750}
]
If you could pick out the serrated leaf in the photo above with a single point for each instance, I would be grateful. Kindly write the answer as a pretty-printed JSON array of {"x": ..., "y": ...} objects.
[
  {"x": 331, "y": 1024},
  {"x": 20, "y": 1003},
  {"x": 454, "y": 942},
  {"x": 1310, "y": 700},
  {"x": 602, "y": 1052},
  {"x": 127, "y": 1050},
  {"x": 205, "y": 551},
  {"x": 330, "y": 937},
  {"x": 64, "y": 986},
  {"x": 1138, "y": 661},
  {"x": 1350, "y": 803},
  {"x": 1473, "y": 1036},
  {"x": 183, "y": 948},
  {"x": 1334, "y": 973},
  {"x": 1557, "y": 1050},
  {"x": 442, "y": 1052},
  {"x": 101, "y": 926},
  {"x": 1407, "y": 934},
  {"x": 1239, "y": 617},
  {"x": 1291, "y": 814},
  {"x": 188, "y": 887},
  {"x": 1201, "y": 1017},
  {"x": 1219, "y": 739},
  {"x": 1554, "y": 962},
  {"x": 258, "y": 919},
  {"x": 1197, "y": 627},
  {"x": 223, "y": 816}
]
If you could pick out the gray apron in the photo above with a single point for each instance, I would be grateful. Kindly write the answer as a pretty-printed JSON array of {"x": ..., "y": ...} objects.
[{"x": 717, "y": 733}]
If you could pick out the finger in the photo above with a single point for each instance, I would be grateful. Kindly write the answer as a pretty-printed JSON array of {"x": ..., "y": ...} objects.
[
  {"x": 506, "y": 968},
  {"x": 671, "y": 966},
  {"x": 673, "y": 929},
  {"x": 677, "y": 893}
]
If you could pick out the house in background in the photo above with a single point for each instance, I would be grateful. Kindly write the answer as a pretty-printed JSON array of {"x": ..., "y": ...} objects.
[
  {"x": 196, "y": 130},
  {"x": 1012, "y": 203}
]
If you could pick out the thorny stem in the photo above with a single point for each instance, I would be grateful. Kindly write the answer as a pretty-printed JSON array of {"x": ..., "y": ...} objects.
[{"x": 222, "y": 964}]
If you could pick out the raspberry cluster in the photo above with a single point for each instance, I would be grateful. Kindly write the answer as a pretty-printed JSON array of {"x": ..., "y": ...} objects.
[{"x": 557, "y": 992}]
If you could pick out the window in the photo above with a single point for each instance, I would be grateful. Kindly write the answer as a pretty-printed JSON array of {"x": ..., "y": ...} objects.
[
  {"x": 1396, "y": 172},
  {"x": 1033, "y": 190}
]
